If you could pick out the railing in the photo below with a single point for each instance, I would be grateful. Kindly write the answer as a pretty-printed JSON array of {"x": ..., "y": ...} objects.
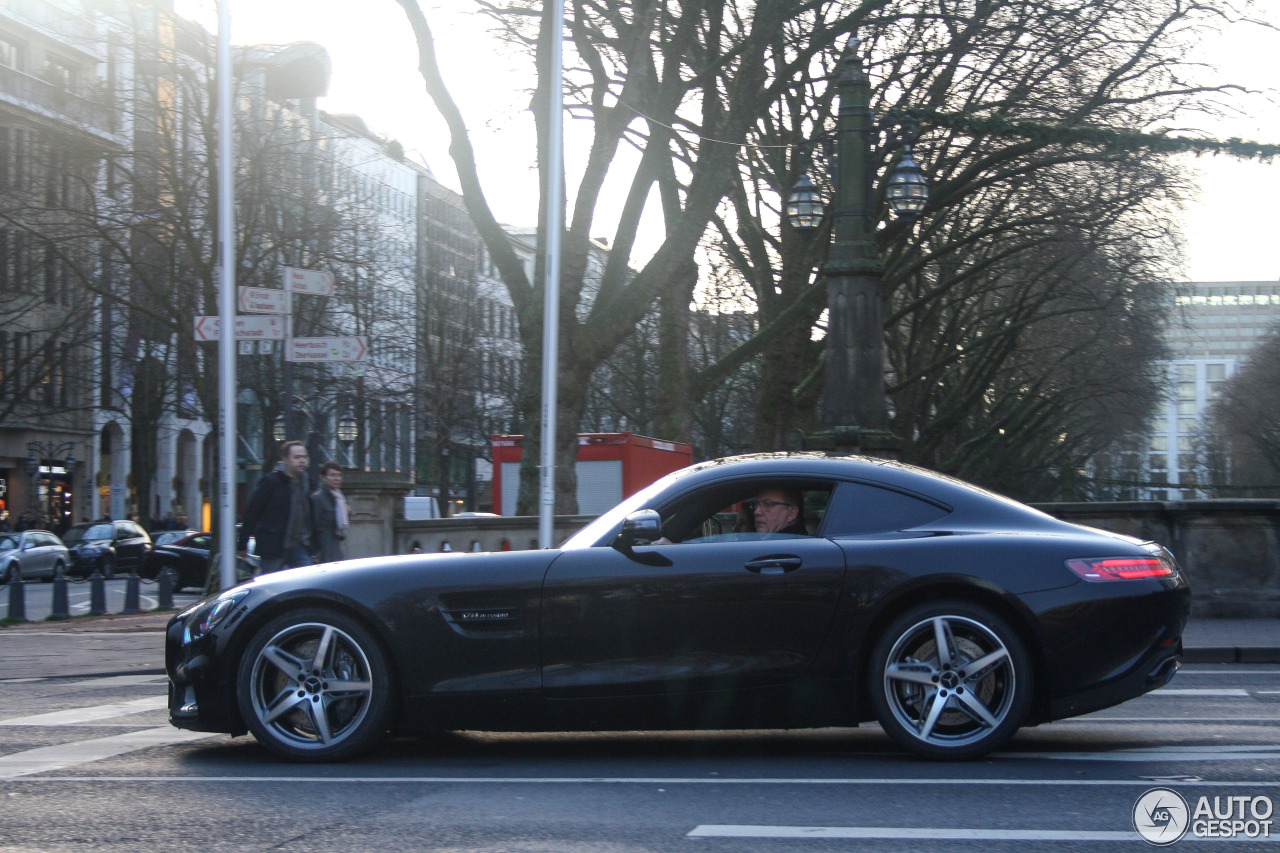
[{"x": 76, "y": 108}]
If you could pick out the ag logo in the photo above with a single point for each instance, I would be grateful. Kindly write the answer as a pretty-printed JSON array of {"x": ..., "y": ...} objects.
[{"x": 1161, "y": 816}]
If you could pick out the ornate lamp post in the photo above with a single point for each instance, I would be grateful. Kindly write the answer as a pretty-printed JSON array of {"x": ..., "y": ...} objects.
[
  {"x": 348, "y": 432},
  {"x": 853, "y": 407}
]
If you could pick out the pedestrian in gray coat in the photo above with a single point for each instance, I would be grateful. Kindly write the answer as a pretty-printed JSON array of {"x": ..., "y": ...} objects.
[{"x": 330, "y": 516}]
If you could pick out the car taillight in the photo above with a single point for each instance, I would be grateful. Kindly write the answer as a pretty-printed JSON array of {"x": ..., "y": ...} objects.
[{"x": 1121, "y": 568}]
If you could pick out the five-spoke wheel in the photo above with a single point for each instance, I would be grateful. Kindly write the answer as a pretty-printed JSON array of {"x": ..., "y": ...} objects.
[
  {"x": 314, "y": 686},
  {"x": 950, "y": 680}
]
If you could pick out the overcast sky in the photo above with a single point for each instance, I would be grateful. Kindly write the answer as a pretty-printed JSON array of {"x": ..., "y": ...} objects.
[{"x": 1231, "y": 226}]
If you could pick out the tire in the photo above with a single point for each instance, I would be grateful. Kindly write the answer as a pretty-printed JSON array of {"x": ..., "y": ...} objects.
[
  {"x": 58, "y": 567},
  {"x": 289, "y": 698},
  {"x": 12, "y": 573},
  {"x": 980, "y": 710},
  {"x": 108, "y": 568}
]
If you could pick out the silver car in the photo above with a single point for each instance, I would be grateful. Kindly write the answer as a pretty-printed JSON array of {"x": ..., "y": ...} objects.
[{"x": 31, "y": 554}]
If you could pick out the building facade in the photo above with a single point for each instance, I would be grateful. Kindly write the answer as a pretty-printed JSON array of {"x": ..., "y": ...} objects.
[
  {"x": 107, "y": 376},
  {"x": 1216, "y": 326}
]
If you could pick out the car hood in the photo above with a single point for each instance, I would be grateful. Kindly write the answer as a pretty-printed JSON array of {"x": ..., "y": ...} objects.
[{"x": 376, "y": 579}]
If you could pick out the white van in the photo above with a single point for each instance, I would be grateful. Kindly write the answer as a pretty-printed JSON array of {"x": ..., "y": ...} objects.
[{"x": 417, "y": 508}]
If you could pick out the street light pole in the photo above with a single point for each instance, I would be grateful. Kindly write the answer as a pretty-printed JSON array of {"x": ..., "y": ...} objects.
[
  {"x": 853, "y": 398},
  {"x": 853, "y": 388}
]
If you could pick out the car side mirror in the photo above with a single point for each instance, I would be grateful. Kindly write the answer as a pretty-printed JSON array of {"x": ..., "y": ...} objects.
[{"x": 642, "y": 527}]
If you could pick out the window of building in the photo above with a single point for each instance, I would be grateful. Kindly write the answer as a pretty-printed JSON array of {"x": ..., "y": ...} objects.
[
  {"x": 13, "y": 53},
  {"x": 1159, "y": 443}
]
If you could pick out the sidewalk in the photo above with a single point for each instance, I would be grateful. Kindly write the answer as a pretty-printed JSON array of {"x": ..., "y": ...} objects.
[{"x": 119, "y": 645}]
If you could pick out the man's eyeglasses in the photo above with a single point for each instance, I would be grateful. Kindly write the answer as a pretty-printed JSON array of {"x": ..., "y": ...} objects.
[{"x": 767, "y": 504}]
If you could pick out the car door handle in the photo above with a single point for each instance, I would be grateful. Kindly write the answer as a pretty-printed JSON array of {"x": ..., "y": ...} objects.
[{"x": 775, "y": 565}]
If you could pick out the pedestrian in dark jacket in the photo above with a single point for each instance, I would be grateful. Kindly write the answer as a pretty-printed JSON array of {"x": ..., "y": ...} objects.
[
  {"x": 278, "y": 514},
  {"x": 330, "y": 516}
]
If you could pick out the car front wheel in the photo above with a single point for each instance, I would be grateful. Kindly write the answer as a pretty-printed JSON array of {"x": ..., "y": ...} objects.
[
  {"x": 314, "y": 686},
  {"x": 950, "y": 680},
  {"x": 12, "y": 573}
]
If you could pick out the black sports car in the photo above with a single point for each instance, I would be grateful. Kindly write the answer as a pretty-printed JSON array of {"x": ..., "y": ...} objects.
[
  {"x": 188, "y": 557},
  {"x": 951, "y": 615}
]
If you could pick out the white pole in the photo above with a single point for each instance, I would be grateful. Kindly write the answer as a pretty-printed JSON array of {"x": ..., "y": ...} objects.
[
  {"x": 551, "y": 278},
  {"x": 227, "y": 306}
]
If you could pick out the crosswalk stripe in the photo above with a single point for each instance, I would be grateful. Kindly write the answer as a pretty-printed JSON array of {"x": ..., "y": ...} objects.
[
  {"x": 46, "y": 758},
  {"x": 74, "y": 716}
]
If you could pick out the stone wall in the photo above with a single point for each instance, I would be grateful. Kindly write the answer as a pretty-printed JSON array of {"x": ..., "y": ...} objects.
[
  {"x": 482, "y": 533},
  {"x": 1229, "y": 549}
]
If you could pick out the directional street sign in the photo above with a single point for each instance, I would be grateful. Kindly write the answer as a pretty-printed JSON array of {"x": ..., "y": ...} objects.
[
  {"x": 250, "y": 327},
  {"x": 262, "y": 300},
  {"x": 313, "y": 282},
  {"x": 351, "y": 348}
]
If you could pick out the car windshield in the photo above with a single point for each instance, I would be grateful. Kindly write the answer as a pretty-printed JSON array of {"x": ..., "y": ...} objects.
[
  {"x": 8, "y": 543},
  {"x": 89, "y": 533}
]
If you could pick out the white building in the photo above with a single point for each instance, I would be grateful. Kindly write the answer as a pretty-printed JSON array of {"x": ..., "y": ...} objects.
[{"x": 1215, "y": 327}]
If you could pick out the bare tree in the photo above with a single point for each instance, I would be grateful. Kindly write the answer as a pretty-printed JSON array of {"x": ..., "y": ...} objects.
[
  {"x": 655, "y": 75},
  {"x": 1246, "y": 424}
]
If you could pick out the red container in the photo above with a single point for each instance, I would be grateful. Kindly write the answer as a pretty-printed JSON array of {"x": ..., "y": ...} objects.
[{"x": 611, "y": 466}]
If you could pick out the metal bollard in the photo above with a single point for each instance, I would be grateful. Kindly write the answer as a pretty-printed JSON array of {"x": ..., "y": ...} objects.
[
  {"x": 17, "y": 600},
  {"x": 132, "y": 594},
  {"x": 97, "y": 594},
  {"x": 61, "y": 607},
  {"x": 165, "y": 582}
]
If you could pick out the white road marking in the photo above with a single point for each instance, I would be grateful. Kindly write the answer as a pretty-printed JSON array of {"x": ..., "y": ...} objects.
[
  {"x": 120, "y": 681},
  {"x": 908, "y": 833},
  {"x": 604, "y": 780},
  {"x": 77, "y": 716},
  {"x": 47, "y": 758},
  {"x": 1199, "y": 691},
  {"x": 1243, "y": 752}
]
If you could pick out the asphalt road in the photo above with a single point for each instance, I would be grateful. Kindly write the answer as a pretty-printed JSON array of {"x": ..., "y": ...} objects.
[
  {"x": 38, "y": 597},
  {"x": 91, "y": 764}
]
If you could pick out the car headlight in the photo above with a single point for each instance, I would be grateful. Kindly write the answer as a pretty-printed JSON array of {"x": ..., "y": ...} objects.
[{"x": 207, "y": 616}]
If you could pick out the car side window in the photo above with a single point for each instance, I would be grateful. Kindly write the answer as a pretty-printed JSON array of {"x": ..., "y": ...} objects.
[
  {"x": 860, "y": 508},
  {"x": 725, "y": 512}
]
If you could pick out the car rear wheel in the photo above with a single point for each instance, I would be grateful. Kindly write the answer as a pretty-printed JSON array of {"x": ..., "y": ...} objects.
[
  {"x": 314, "y": 686},
  {"x": 950, "y": 680}
]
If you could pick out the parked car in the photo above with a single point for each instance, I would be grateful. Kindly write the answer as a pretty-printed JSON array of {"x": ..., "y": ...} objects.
[
  {"x": 106, "y": 546},
  {"x": 951, "y": 615},
  {"x": 168, "y": 537},
  {"x": 31, "y": 554},
  {"x": 189, "y": 559}
]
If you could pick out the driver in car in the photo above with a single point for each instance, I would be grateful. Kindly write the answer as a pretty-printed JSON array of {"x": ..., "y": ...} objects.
[
  {"x": 773, "y": 510},
  {"x": 779, "y": 511}
]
